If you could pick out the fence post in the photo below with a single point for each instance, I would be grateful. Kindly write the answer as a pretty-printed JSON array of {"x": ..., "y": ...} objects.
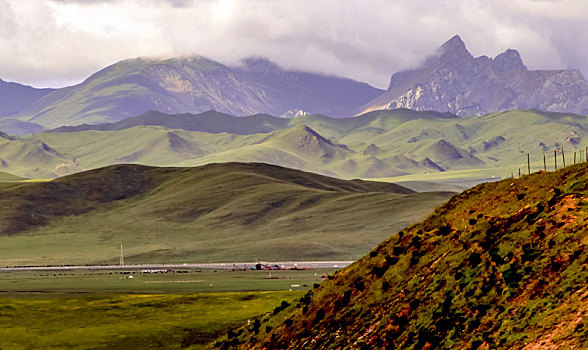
[
  {"x": 563, "y": 157},
  {"x": 544, "y": 162},
  {"x": 519, "y": 173},
  {"x": 574, "y": 158},
  {"x": 555, "y": 158},
  {"x": 528, "y": 164}
]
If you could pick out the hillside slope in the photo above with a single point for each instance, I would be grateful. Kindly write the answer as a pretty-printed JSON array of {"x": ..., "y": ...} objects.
[
  {"x": 7, "y": 177},
  {"x": 219, "y": 212},
  {"x": 501, "y": 266}
]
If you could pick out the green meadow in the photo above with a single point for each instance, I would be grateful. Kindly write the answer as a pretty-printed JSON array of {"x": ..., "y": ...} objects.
[
  {"x": 107, "y": 309},
  {"x": 128, "y": 321}
]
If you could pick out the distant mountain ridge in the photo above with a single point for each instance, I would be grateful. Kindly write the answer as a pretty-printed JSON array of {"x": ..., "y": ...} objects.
[
  {"x": 14, "y": 97},
  {"x": 209, "y": 121},
  {"x": 454, "y": 81},
  {"x": 196, "y": 84}
]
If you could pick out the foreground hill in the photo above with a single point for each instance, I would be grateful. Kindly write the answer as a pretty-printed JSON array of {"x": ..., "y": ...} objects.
[
  {"x": 197, "y": 84},
  {"x": 452, "y": 80},
  {"x": 377, "y": 144},
  {"x": 501, "y": 266},
  {"x": 219, "y": 212}
]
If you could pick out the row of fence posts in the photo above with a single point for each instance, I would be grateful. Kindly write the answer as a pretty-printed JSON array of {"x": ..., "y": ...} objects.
[{"x": 583, "y": 155}]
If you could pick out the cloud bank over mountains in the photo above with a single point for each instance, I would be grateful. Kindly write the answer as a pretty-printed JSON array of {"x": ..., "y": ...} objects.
[{"x": 60, "y": 42}]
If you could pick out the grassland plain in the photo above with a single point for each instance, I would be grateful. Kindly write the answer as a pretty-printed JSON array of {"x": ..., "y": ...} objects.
[
  {"x": 192, "y": 281},
  {"x": 379, "y": 144},
  {"x": 215, "y": 213},
  {"x": 503, "y": 265},
  {"x": 106, "y": 309},
  {"x": 128, "y": 321}
]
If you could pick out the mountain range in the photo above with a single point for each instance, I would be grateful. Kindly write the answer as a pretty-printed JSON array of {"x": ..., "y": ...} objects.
[
  {"x": 197, "y": 84},
  {"x": 450, "y": 80}
]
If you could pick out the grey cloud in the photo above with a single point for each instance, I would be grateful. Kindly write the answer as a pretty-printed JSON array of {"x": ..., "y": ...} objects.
[
  {"x": 63, "y": 41},
  {"x": 174, "y": 3}
]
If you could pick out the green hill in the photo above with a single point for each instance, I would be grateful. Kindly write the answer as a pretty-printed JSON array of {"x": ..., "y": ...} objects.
[
  {"x": 32, "y": 158},
  {"x": 6, "y": 177},
  {"x": 218, "y": 212},
  {"x": 503, "y": 265},
  {"x": 380, "y": 144}
]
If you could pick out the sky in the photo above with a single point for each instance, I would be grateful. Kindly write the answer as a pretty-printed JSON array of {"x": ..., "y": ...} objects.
[{"x": 54, "y": 43}]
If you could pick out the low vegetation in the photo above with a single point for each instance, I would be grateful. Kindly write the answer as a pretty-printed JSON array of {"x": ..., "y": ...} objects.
[{"x": 501, "y": 266}]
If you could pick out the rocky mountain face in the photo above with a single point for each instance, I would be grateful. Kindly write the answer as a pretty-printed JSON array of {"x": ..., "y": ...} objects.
[
  {"x": 197, "y": 84},
  {"x": 454, "y": 81}
]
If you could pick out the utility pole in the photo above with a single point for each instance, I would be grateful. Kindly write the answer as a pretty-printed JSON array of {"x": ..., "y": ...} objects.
[{"x": 122, "y": 256}]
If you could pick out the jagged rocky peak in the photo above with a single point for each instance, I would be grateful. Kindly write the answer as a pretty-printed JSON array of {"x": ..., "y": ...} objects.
[
  {"x": 452, "y": 80},
  {"x": 508, "y": 60},
  {"x": 454, "y": 48},
  {"x": 260, "y": 65}
]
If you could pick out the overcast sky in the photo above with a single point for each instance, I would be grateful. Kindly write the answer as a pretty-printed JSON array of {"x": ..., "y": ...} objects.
[{"x": 61, "y": 42}]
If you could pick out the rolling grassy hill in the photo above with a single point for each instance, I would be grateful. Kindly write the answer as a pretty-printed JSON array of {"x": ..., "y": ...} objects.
[
  {"x": 6, "y": 177},
  {"x": 380, "y": 144},
  {"x": 503, "y": 265},
  {"x": 32, "y": 158},
  {"x": 218, "y": 212}
]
